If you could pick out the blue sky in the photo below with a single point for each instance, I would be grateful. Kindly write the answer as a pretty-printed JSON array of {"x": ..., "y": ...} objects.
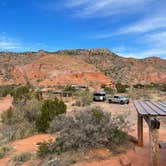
[{"x": 131, "y": 28}]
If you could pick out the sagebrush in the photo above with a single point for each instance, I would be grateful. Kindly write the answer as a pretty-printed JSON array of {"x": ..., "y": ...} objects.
[{"x": 88, "y": 128}]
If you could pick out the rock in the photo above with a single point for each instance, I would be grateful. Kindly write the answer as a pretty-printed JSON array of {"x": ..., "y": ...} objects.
[{"x": 124, "y": 161}]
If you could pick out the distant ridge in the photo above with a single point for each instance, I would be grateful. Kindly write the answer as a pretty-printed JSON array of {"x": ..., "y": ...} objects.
[{"x": 112, "y": 67}]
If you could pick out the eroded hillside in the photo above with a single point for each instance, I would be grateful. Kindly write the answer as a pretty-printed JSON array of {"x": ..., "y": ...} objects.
[
  {"x": 91, "y": 67},
  {"x": 46, "y": 69},
  {"x": 125, "y": 70}
]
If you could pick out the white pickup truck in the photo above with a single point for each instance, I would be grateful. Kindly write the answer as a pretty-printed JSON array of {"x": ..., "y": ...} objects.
[
  {"x": 118, "y": 99},
  {"x": 99, "y": 96}
]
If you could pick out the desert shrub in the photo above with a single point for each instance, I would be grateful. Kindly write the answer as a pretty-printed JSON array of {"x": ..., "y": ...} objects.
[
  {"x": 151, "y": 86},
  {"x": 31, "y": 109},
  {"x": 77, "y": 103},
  {"x": 88, "y": 128},
  {"x": 59, "y": 161},
  {"x": 107, "y": 88},
  {"x": 52, "y": 162},
  {"x": 11, "y": 116},
  {"x": 69, "y": 88},
  {"x": 6, "y": 90},
  {"x": 44, "y": 148},
  {"x": 97, "y": 113},
  {"x": 4, "y": 150},
  {"x": 83, "y": 98},
  {"x": 7, "y": 116},
  {"x": 163, "y": 87},
  {"x": 138, "y": 86},
  {"x": 23, "y": 157},
  {"x": 16, "y": 131},
  {"x": 21, "y": 93},
  {"x": 121, "y": 88},
  {"x": 59, "y": 123},
  {"x": 19, "y": 122},
  {"x": 49, "y": 110}
]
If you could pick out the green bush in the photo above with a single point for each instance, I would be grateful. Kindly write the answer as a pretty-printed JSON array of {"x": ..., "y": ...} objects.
[
  {"x": 21, "y": 93},
  {"x": 12, "y": 116},
  {"x": 23, "y": 157},
  {"x": 7, "y": 116},
  {"x": 106, "y": 88},
  {"x": 83, "y": 98},
  {"x": 163, "y": 88},
  {"x": 97, "y": 113},
  {"x": 88, "y": 128},
  {"x": 4, "y": 150},
  {"x": 19, "y": 122},
  {"x": 69, "y": 88},
  {"x": 121, "y": 88},
  {"x": 138, "y": 86},
  {"x": 6, "y": 90},
  {"x": 44, "y": 148},
  {"x": 49, "y": 110}
]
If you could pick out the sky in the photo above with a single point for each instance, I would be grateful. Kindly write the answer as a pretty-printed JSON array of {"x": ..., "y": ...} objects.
[{"x": 130, "y": 28}]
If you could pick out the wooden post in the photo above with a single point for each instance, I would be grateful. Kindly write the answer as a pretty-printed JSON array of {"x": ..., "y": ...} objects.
[
  {"x": 154, "y": 147},
  {"x": 140, "y": 130}
]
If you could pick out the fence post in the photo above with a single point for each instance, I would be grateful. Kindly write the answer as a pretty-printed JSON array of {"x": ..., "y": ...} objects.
[
  {"x": 154, "y": 147},
  {"x": 140, "y": 129}
]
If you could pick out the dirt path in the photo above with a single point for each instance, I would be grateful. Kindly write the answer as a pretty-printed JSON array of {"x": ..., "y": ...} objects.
[{"x": 25, "y": 145}]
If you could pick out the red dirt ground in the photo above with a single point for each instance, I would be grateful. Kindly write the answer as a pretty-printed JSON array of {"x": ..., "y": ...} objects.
[
  {"x": 25, "y": 145},
  {"x": 5, "y": 103},
  {"x": 139, "y": 156}
]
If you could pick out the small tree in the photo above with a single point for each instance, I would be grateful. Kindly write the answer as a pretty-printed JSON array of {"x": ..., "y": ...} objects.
[
  {"x": 83, "y": 98},
  {"x": 49, "y": 110},
  {"x": 120, "y": 88},
  {"x": 6, "y": 90},
  {"x": 69, "y": 88},
  {"x": 21, "y": 93},
  {"x": 163, "y": 87},
  {"x": 7, "y": 116},
  {"x": 107, "y": 88}
]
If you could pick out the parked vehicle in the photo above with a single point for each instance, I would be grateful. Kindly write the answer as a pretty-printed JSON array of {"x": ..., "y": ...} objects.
[
  {"x": 119, "y": 99},
  {"x": 99, "y": 96}
]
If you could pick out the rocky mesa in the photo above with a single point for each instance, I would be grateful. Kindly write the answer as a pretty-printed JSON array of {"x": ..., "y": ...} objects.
[
  {"x": 91, "y": 67},
  {"x": 125, "y": 70},
  {"x": 46, "y": 69}
]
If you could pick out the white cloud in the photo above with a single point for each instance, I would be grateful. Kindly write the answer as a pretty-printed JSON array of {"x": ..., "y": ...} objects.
[
  {"x": 153, "y": 43},
  {"x": 145, "y": 25},
  {"x": 100, "y": 8},
  {"x": 157, "y": 39},
  {"x": 145, "y": 53},
  {"x": 7, "y": 43}
]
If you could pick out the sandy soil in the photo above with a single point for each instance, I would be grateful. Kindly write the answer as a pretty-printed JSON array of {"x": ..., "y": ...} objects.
[
  {"x": 5, "y": 103},
  {"x": 25, "y": 145}
]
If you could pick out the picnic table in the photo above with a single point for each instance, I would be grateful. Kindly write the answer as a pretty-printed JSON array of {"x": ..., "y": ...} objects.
[{"x": 150, "y": 111}]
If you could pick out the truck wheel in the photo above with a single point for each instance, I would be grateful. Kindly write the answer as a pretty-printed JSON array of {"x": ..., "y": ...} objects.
[
  {"x": 110, "y": 101},
  {"x": 122, "y": 102},
  {"x": 127, "y": 102}
]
